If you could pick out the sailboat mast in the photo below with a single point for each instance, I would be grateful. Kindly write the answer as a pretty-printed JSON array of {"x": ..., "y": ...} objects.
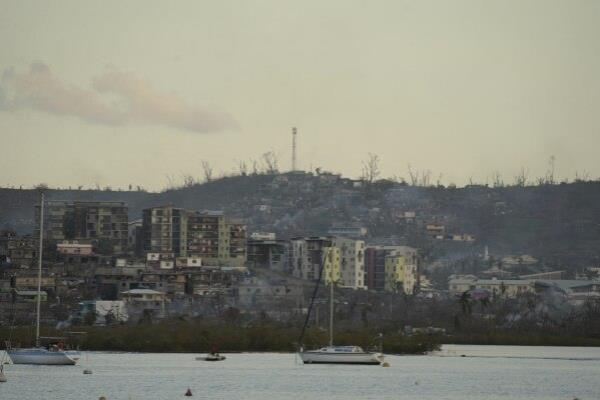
[
  {"x": 331, "y": 311},
  {"x": 39, "y": 280}
]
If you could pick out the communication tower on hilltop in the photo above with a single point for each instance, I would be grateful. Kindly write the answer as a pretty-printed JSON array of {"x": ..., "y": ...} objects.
[{"x": 294, "y": 134}]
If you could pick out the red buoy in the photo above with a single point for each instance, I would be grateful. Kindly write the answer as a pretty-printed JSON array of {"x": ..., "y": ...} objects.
[{"x": 189, "y": 392}]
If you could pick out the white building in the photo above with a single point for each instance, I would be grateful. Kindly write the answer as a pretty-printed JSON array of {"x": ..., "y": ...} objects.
[
  {"x": 102, "y": 308},
  {"x": 263, "y": 236},
  {"x": 510, "y": 288},
  {"x": 348, "y": 231}
]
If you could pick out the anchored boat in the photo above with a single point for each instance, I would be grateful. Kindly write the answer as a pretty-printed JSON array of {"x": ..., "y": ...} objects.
[
  {"x": 43, "y": 356},
  {"x": 54, "y": 353},
  {"x": 211, "y": 357},
  {"x": 334, "y": 354},
  {"x": 341, "y": 355}
]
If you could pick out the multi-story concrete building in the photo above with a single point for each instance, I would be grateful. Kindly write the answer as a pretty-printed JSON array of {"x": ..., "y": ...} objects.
[
  {"x": 306, "y": 256},
  {"x": 375, "y": 267},
  {"x": 59, "y": 221},
  {"x": 135, "y": 237},
  {"x": 216, "y": 239},
  {"x": 203, "y": 237},
  {"x": 332, "y": 272},
  {"x": 352, "y": 262},
  {"x": 401, "y": 270},
  {"x": 22, "y": 250},
  {"x": 235, "y": 255},
  {"x": 267, "y": 253},
  {"x": 209, "y": 236},
  {"x": 347, "y": 259},
  {"x": 388, "y": 268},
  {"x": 102, "y": 223},
  {"x": 164, "y": 231}
]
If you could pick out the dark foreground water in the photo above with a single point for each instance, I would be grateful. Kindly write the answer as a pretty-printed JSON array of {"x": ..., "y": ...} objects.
[{"x": 486, "y": 372}]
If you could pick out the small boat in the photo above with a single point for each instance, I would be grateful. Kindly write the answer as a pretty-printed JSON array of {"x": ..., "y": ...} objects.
[{"x": 211, "y": 357}]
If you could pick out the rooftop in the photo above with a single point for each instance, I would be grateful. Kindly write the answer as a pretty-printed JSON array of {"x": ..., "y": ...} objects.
[{"x": 142, "y": 291}]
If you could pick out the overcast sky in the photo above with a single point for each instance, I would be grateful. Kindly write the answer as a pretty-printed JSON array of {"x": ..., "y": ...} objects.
[{"x": 117, "y": 93}]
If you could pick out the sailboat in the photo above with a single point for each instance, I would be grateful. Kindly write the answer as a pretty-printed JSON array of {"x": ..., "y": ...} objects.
[
  {"x": 52, "y": 354},
  {"x": 335, "y": 354}
]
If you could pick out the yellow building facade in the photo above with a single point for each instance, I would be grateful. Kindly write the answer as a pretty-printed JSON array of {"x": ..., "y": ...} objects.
[
  {"x": 331, "y": 265},
  {"x": 394, "y": 272}
]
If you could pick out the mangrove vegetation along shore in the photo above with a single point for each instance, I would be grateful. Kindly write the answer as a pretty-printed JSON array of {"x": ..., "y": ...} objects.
[
  {"x": 203, "y": 336},
  {"x": 520, "y": 339},
  {"x": 199, "y": 337}
]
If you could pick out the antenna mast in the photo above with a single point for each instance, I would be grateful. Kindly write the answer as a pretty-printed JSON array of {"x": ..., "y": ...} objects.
[
  {"x": 39, "y": 277},
  {"x": 294, "y": 134}
]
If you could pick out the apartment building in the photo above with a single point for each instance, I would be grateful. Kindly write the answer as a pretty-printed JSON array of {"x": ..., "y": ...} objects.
[
  {"x": 164, "y": 231},
  {"x": 332, "y": 272},
  {"x": 22, "y": 250},
  {"x": 391, "y": 268},
  {"x": 209, "y": 236},
  {"x": 344, "y": 263},
  {"x": 103, "y": 223},
  {"x": 401, "y": 271},
  {"x": 267, "y": 252},
  {"x": 306, "y": 256},
  {"x": 217, "y": 239},
  {"x": 352, "y": 262}
]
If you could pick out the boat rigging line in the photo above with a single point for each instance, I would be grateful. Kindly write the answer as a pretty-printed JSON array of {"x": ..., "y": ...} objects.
[{"x": 312, "y": 300}]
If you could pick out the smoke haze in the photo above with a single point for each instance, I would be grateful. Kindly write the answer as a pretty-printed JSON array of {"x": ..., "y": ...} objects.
[{"x": 116, "y": 98}]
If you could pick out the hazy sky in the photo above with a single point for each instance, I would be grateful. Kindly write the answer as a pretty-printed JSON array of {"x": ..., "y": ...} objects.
[{"x": 114, "y": 92}]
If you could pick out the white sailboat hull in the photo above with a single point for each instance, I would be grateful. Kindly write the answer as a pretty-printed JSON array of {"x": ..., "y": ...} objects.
[
  {"x": 319, "y": 357},
  {"x": 40, "y": 356}
]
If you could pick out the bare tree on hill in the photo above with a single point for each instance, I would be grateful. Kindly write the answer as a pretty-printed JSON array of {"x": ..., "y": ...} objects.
[
  {"x": 521, "y": 177},
  {"x": 207, "y": 170},
  {"x": 497, "y": 180},
  {"x": 370, "y": 168},
  {"x": 271, "y": 161},
  {"x": 242, "y": 167}
]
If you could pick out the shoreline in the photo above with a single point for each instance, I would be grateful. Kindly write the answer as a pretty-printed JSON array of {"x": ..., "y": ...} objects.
[{"x": 201, "y": 337}]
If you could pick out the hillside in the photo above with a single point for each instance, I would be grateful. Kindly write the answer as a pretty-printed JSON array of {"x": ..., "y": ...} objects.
[{"x": 554, "y": 222}]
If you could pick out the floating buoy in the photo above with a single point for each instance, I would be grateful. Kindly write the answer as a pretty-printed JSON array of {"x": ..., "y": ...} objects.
[
  {"x": 188, "y": 393},
  {"x": 385, "y": 364},
  {"x": 102, "y": 398},
  {"x": 87, "y": 371},
  {"x": 2, "y": 377}
]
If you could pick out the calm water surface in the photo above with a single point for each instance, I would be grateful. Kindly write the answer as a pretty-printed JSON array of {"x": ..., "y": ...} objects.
[{"x": 486, "y": 372}]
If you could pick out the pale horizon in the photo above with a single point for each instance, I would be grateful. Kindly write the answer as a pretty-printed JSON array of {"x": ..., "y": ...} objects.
[{"x": 117, "y": 94}]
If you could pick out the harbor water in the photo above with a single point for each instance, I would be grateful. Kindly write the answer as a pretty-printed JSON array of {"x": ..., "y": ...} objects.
[{"x": 456, "y": 372}]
